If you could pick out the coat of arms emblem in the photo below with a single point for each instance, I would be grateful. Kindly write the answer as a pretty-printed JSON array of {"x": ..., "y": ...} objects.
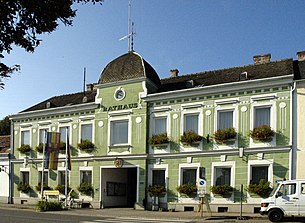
[{"x": 118, "y": 163}]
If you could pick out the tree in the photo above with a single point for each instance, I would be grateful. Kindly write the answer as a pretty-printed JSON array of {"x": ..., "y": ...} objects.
[
  {"x": 21, "y": 22},
  {"x": 5, "y": 126}
]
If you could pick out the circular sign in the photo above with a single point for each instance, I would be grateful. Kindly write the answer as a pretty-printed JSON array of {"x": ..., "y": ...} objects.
[{"x": 201, "y": 182}]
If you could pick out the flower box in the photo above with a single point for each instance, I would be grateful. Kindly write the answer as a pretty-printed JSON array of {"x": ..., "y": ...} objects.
[
  {"x": 262, "y": 189},
  {"x": 24, "y": 187},
  {"x": 262, "y": 133},
  {"x": 25, "y": 149},
  {"x": 225, "y": 136},
  {"x": 85, "y": 189},
  {"x": 222, "y": 190},
  {"x": 156, "y": 190},
  {"x": 190, "y": 138},
  {"x": 158, "y": 140},
  {"x": 86, "y": 146},
  {"x": 190, "y": 190}
]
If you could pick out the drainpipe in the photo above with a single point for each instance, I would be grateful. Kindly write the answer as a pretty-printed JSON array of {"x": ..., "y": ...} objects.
[
  {"x": 293, "y": 131},
  {"x": 11, "y": 174}
]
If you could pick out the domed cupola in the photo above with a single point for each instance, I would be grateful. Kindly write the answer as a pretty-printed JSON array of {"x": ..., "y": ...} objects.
[{"x": 126, "y": 67}]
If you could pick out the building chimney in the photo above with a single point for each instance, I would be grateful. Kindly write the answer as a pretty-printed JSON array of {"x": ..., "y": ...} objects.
[
  {"x": 301, "y": 55},
  {"x": 261, "y": 59},
  {"x": 174, "y": 72},
  {"x": 89, "y": 87}
]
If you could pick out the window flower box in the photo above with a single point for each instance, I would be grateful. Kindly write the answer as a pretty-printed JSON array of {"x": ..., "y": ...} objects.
[
  {"x": 262, "y": 189},
  {"x": 85, "y": 188},
  {"x": 222, "y": 190},
  {"x": 187, "y": 189},
  {"x": 24, "y": 149},
  {"x": 24, "y": 187},
  {"x": 262, "y": 133},
  {"x": 225, "y": 136},
  {"x": 45, "y": 187},
  {"x": 62, "y": 147},
  {"x": 159, "y": 140},
  {"x": 86, "y": 146},
  {"x": 190, "y": 138},
  {"x": 156, "y": 190},
  {"x": 39, "y": 148}
]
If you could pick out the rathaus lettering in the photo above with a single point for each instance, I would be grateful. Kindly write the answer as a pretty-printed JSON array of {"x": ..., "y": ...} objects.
[{"x": 119, "y": 107}]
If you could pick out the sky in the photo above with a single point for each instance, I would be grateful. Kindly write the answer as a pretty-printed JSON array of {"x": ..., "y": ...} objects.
[{"x": 189, "y": 35}]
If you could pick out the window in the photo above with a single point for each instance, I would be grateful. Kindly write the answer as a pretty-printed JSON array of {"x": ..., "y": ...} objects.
[
  {"x": 65, "y": 130},
  {"x": 191, "y": 123},
  {"x": 119, "y": 132},
  {"x": 25, "y": 177},
  {"x": 86, "y": 176},
  {"x": 287, "y": 189},
  {"x": 189, "y": 176},
  {"x": 160, "y": 125},
  {"x": 303, "y": 188},
  {"x": 42, "y": 133},
  {"x": 223, "y": 176},
  {"x": 158, "y": 177},
  {"x": 225, "y": 120},
  {"x": 86, "y": 132},
  {"x": 261, "y": 116},
  {"x": 259, "y": 173},
  {"x": 45, "y": 177},
  {"x": 61, "y": 177},
  {"x": 25, "y": 137}
]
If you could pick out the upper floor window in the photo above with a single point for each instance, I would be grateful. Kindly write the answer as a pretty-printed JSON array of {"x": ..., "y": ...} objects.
[
  {"x": 86, "y": 132},
  {"x": 119, "y": 132},
  {"x": 160, "y": 125},
  {"x": 25, "y": 137},
  {"x": 261, "y": 116},
  {"x": 191, "y": 122},
  {"x": 65, "y": 130},
  {"x": 225, "y": 120}
]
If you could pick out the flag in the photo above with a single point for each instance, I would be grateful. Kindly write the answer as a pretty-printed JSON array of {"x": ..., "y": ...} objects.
[
  {"x": 69, "y": 165},
  {"x": 52, "y": 150}
]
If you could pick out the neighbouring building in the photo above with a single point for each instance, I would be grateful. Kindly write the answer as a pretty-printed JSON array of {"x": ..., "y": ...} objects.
[
  {"x": 230, "y": 127},
  {"x": 4, "y": 168}
]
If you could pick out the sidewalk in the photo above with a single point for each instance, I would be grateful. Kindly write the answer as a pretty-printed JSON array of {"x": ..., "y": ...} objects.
[{"x": 131, "y": 213}]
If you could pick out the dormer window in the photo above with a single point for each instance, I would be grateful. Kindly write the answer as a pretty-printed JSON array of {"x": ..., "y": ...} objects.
[{"x": 243, "y": 76}]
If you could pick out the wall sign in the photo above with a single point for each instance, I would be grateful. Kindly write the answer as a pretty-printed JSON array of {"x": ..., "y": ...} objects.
[
  {"x": 119, "y": 107},
  {"x": 118, "y": 163}
]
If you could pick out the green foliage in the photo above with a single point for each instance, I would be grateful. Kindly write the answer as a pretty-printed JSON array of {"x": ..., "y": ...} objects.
[
  {"x": 61, "y": 188},
  {"x": 263, "y": 133},
  {"x": 187, "y": 189},
  {"x": 24, "y": 187},
  {"x": 221, "y": 189},
  {"x": 262, "y": 189},
  {"x": 48, "y": 206},
  {"x": 85, "y": 188},
  {"x": 45, "y": 187},
  {"x": 225, "y": 134},
  {"x": 156, "y": 190},
  {"x": 62, "y": 147},
  {"x": 85, "y": 145},
  {"x": 39, "y": 148},
  {"x": 190, "y": 137},
  {"x": 24, "y": 148},
  {"x": 22, "y": 21},
  {"x": 158, "y": 139},
  {"x": 5, "y": 124}
]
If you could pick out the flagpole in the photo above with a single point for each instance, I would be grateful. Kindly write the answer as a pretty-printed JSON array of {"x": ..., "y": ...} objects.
[
  {"x": 66, "y": 169},
  {"x": 43, "y": 152}
]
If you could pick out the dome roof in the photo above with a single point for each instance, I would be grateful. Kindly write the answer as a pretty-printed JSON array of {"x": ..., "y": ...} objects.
[{"x": 126, "y": 67}]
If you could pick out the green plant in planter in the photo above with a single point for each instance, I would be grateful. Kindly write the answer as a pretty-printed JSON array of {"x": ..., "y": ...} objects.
[
  {"x": 223, "y": 135},
  {"x": 39, "y": 148},
  {"x": 61, "y": 188},
  {"x": 156, "y": 190},
  {"x": 24, "y": 187},
  {"x": 24, "y": 148},
  {"x": 158, "y": 139},
  {"x": 85, "y": 145},
  {"x": 221, "y": 189},
  {"x": 190, "y": 137},
  {"x": 45, "y": 187},
  {"x": 262, "y": 133},
  {"x": 62, "y": 147},
  {"x": 187, "y": 189},
  {"x": 262, "y": 189},
  {"x": 85, "y": 188}
]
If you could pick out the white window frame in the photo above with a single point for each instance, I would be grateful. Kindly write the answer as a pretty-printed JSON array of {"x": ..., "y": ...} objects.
[
  {"x": 258, "y": 163},
  {"x": 152, "y": 167},
  {"x": 119, "y": 118},
  {"x": 41, "y": 128},
  {"x": 192, "y": 111},
  {"x": 30, "y": 135},
  {"x": 228, "y": 164},
  {"x": 80, "y": 130},
  {"x": 232, "y": 108},
  {"x": 188, "y": 166},
  {"x": 154, "y": 116},
  {"x": 70, "y": 130}
]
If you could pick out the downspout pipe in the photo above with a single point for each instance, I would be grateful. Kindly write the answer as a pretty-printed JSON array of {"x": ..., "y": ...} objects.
[
  {"x": 11, "y": 169},
  {"x": 293, "y": 131}
]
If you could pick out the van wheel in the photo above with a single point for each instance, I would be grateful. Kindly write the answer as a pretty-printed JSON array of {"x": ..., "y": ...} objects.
[{"x": 275, "y": 215}]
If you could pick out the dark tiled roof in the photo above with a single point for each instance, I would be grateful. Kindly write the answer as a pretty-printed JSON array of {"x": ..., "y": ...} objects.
[
  {"x": 266, "y": 70},
  {"x": 299, "y": 69},
  {"x": 5, "y": 143},
  {"x": 126, "y": 67},
  {"x": 64, "y": 100}
]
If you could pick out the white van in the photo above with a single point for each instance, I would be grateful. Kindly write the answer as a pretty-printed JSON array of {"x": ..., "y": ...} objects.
[{"x": 287, "y": 200}]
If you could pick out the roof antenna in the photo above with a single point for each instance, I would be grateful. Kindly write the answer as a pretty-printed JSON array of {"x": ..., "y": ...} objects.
[
  {"x": 130, "y": 30},
  {"x": 84, "y": 86}
]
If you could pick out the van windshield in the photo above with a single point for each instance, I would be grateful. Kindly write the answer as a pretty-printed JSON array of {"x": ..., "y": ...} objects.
[{"x": 274, "y": 190}]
